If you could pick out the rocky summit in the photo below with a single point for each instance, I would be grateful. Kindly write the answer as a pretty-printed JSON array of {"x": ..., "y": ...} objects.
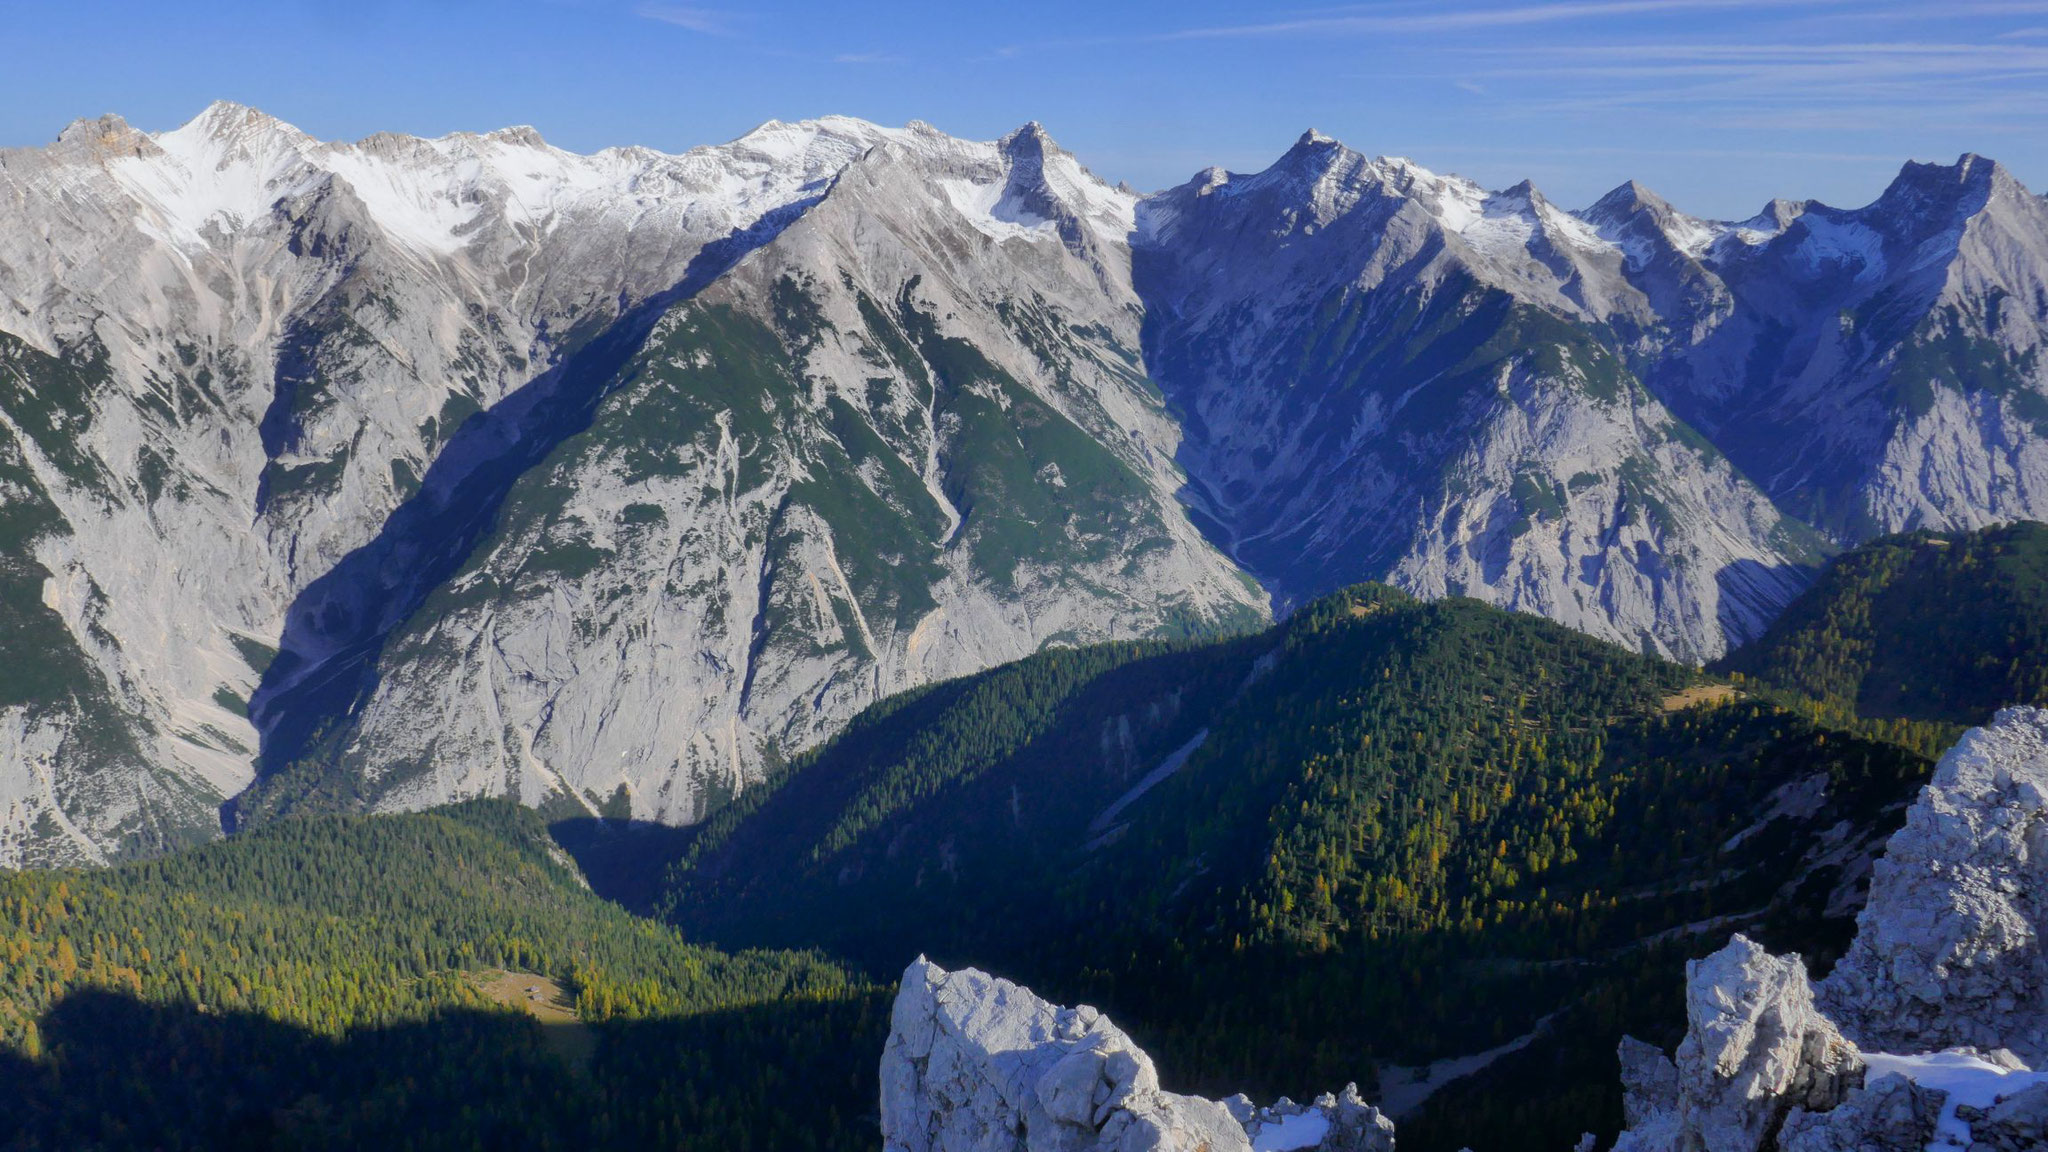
[
  {"x": 974, "y": 1063},
  {"x": 1948, "y": 951},
  {"x": 381, "y": 474},
  {"x": 1926, "y": 1035}
]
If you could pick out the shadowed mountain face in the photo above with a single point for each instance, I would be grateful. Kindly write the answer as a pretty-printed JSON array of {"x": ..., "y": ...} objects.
[{"x": 406, "y": 470}]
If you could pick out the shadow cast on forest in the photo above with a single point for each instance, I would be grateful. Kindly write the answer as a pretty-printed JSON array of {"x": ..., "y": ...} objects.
[{"x": 118, "y": 1073}]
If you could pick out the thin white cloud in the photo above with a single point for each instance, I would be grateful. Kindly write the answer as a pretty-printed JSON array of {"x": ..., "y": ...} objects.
[
  {"x": 1448, "y": 19},
  {"x": 1996, "y": 81},
  {"x": 1433, "y": 18},
  {"x": 1765, "y": 50},
  {"x": 709, "y": 21},
  {"x": 867, "y": 58}
]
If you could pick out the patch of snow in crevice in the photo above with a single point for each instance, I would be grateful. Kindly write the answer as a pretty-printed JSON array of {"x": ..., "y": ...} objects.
[
  {"x": 1572, "y": 230},
  {"x": 1111, "y": 213},
  {"x": 1301, "y": 1130},
  {"x": 1833, "y": 244},
  {"x": 989, "y": 212},
  {"x": 1968, "y": 1079}
]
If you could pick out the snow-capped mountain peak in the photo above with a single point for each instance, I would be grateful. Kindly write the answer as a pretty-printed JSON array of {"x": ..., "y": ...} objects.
[{"x": 1635, "y": 219}]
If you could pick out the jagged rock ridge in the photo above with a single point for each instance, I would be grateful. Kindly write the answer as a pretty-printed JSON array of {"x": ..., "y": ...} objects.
[{"x": 975, "y": 1063}]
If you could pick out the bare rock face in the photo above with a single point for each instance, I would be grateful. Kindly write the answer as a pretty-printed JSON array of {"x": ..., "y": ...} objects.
[
  {"x": 1944, "y": 988},
  {"x": 1755, "y": 1048},
  {"x": 1891, "y": 1113},
  {"x": 2017, "y": 1122},
  {"x": 472, "y": 466},
  {"x": 1762, "y": 1068},
  {"x": 418, "y": 470},
  {"x": 1948, "y": 951},
  {"x": 974, "y": 1063}
]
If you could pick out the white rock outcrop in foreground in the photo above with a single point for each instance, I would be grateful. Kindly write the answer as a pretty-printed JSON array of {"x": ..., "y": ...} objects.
[
  {"x": 1756, "y": 1049},
  {"x": 1948, "y": 950},
  {"x": 1944, "y": 985},
  {"x": 974, "y": 1063}
]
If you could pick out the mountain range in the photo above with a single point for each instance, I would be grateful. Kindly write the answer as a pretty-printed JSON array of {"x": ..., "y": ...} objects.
[{"x": 386, "y": 474}]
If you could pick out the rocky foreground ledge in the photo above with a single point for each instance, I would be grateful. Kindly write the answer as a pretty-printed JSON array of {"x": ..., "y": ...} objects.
[
  {"x": 978, "y": 1064},
  {"x": 1927, "y": 1034}
]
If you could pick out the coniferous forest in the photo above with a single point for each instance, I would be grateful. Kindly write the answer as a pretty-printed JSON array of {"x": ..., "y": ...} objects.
[
  {"x": 314, "y": 983},
  {"x": 1380, "y": 833}
]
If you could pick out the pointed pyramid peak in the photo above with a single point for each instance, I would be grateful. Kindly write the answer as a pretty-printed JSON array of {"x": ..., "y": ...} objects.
[
  {"x": 1634, "y": 193},
  {"x": 1629, "y": 198},
  {"x": 1032, "y": 138},
  {"x": 223, "y": 116},
  {"x": 1312, "y": 155},
  {"x": 233, "y": 125}
]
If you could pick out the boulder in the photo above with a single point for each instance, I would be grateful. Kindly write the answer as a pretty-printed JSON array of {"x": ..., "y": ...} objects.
[
  {"x": 1890, "y": 1114},
  {"x": 2017, "y": 1123},
  {"x": 974, "y": 1063},
  {"x": 1755, "y": 1048},
  {"x": 1948, "y": 951}
]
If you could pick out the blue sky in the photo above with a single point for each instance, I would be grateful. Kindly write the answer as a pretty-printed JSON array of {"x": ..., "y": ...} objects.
[{"x": 1718, "y": 104}]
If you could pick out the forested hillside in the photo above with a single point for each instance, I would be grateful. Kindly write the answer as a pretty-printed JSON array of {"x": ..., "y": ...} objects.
[
  {"x": 1399, "y": 831},
  {"x": 1385, "y": 832},
  {"x": 1934, "y": 626},
  {"x": 319, "y": 983}
]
